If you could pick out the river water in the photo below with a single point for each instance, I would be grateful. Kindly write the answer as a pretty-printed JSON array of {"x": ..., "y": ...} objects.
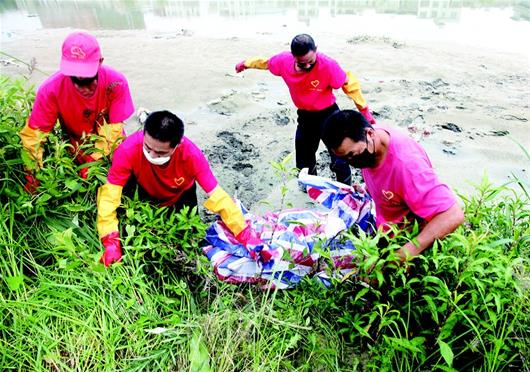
[{"x": 501, "y": 25}]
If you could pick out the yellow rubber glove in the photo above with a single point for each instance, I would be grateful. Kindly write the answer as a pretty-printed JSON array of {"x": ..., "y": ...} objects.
[
  {"x": 108, "y": 200},
  {"x": 253, "y": 62},
  {"x": 352, "y": 88},
  {"x": 32, "y": 141},
  {"x": 220, "y": 202},
  {"x": 259, "y": 63},
  {"x": 112, "y": 135}
]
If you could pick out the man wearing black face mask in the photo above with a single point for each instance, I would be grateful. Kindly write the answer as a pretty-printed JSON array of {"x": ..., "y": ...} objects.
[
  {"x": 398, "y": 175},
  {"x": 311, "y": 78}
]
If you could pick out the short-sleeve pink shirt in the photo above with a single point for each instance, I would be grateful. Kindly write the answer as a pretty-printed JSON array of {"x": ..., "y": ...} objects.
[
  {"x": 57, "y": 98},
  {"x": 313, "y": 90},
  {"x": 405, "y": 184},
  {"x": 163, "y": 182}
]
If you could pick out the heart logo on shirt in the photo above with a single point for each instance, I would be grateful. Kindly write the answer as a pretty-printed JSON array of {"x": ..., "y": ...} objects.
[
  {"x": 388, "y": 194},
  {"x": 315, "y": 83},
  {"x": 179, "y": 181}
]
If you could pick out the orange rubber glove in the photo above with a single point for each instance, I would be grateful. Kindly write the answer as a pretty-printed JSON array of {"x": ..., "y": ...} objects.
[
  {"x": 253, "y": 62},
  {"x": 32, "y": 141},
  {"x": 112, "y": 135},
  {"x": 108, "y": 200},
  {"x": 220, "y": 202},
  {"x": 352, "y": 88}
]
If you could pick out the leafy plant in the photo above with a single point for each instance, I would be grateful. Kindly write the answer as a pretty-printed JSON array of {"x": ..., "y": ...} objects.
[{"x": 463, "y": 305}]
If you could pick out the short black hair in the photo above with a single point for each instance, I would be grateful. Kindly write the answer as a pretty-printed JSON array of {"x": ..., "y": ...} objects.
[
  {"x": 344, "y": 124},
  {"x": 302, "y": 44},
  {"x": 165, "y": 127}
]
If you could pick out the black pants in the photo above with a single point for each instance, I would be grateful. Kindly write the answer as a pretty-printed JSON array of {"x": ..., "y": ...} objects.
[
  {"x": 188, "y": 197},
  {"x": 307, "y": 139}
]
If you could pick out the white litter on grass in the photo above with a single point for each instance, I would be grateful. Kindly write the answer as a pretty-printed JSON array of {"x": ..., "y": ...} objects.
[{"x": 157, "y": 330}]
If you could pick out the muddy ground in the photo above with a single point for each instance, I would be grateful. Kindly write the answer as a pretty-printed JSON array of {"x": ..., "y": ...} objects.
[{"x": 468, "y": 106}]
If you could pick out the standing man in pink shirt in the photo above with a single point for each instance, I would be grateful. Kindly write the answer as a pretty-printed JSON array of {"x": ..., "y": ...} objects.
[
  {"x": 398, "y": 175},
  {"x": 86, "y": 98},
  {"x": 311, "y": 78}
]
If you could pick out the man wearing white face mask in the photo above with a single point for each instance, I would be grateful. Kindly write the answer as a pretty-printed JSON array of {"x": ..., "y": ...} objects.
[{"x": 166, "y": 165}]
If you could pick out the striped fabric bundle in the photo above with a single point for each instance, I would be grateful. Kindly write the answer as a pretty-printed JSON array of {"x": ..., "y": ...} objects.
[{"x": 294, "y": 243}]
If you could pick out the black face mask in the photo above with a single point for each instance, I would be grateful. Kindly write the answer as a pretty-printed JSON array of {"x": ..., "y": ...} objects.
[
  {"x": 307, "y": 69},
  {"x": 366, "y": 159},
  {"x": 83, "y": 82},
  {"x": 304, "y": 68}
]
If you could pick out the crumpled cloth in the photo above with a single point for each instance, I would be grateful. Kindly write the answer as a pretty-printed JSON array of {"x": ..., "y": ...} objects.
[{"x": 293, "y": 243}]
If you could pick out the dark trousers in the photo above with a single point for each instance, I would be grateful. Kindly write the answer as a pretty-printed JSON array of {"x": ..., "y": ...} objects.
[
  {"x": 188, "y": 197},
  {"x": 307, "y": 139}
]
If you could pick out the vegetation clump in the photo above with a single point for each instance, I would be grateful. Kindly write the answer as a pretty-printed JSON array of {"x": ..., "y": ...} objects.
[{"x": 463, "y": 305}]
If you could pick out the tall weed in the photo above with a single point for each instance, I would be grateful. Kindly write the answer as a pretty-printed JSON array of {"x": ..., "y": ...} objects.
[{"x": 463, "y": 305}]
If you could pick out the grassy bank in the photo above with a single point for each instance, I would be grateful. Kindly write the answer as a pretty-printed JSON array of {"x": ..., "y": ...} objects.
[{"x": 463, "y": 305}]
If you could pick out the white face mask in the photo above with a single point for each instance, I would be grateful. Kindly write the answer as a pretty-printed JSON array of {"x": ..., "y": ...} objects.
[{"x": 156, "y": 161}]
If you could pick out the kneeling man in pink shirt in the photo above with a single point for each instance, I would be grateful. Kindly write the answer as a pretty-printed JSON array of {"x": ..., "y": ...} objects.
[
  {"x": 398, "y": 175},
  {"x": 86, "y": 97}
]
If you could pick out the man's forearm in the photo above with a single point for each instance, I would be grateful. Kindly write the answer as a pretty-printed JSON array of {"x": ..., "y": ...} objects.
[{"x": 440, "y": 226}]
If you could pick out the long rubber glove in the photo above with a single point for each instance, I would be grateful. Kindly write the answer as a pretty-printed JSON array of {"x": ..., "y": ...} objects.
[
  {"x": 32, "y": 141},
  {"x": 259, "y": 63},
  {"x": 108, "y": 200},
  {"x": 352, "y": 88},
  {"x": 112, "y": 135},
  {"x": 220, "y": 202}
]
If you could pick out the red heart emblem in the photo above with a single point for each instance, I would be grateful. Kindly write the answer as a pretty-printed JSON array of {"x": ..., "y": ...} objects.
[
  {"x": 180, "y": 181},
  {"x": 388, "y": 194}
]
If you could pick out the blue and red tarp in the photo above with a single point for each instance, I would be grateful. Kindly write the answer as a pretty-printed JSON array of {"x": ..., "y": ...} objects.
[{"x": 293, "y": 243}]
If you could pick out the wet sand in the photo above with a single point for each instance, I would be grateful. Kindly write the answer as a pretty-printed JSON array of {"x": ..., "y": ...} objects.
[{"x": 466, "y": 105}]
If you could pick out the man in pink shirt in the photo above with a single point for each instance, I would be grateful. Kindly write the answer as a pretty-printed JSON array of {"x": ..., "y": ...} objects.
[
  {"x": 86, "y": 98},
  {"x": 398, "y": 175},
  {"x": 165, "y": 165},
  {"x": 311, "y": 78}
]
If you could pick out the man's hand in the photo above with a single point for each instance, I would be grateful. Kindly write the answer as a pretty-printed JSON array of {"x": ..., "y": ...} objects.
[
  {"x": 112, "y": 245},
  {"x": 241, "y": 67},
  {"x": 408, "y": 251},
  {"x": 367, "y": 115},
  {"x": 438, "y": 227},
  {"x": 31, "y": 184}
]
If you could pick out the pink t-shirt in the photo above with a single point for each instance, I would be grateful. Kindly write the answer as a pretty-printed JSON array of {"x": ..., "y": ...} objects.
[
  {"x": 313, "y": 90},
  {"x": 57, "y": 98},
  {"x": 405, "y": 184},
  {"x": 163, "y": 182}
]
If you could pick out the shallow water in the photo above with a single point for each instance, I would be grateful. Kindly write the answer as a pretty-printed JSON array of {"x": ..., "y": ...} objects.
[{"x": 501, "y": 25}]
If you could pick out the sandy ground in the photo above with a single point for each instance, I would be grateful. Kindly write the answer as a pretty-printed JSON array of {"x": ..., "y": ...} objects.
[{"x": 466, "y": 105}]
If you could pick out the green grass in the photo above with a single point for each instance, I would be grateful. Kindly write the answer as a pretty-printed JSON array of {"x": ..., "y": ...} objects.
[{"x": 464, "y": 305}]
